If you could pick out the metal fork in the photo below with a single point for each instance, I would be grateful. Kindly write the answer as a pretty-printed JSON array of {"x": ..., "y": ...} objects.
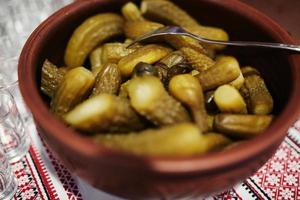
[{"x": 175, "y": 30}]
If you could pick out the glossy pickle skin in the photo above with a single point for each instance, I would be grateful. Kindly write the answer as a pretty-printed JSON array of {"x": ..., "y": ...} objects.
[
  {"x": 260, "y": 99},
  {"x": 113, "y": 52},
  {"x": 89, "y": 34},
  {"x": 150, "y": 99},
  {"x": 104, "y": 112},
  {"x": 242, "y": 126},
  {"x": 108, "y": 80},
  {"x": 229, "y": 100},
  {"x": 96, "y": 60},
  {"x": 197, "y": 60},
  {"x": 150, "y": 54},
  {"x": 187, "y": 89},
  {"x": 131, "y": 12},
  {"x": 51, "y": 77},
  {"x": 224, "y": 71},
  {"x": 181, "y": 139},
  {"x": 168, "y": 13},
  {"x": 74, "y": 88}
]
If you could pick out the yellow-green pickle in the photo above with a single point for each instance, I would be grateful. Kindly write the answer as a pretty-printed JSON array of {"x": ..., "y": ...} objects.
[
  {"x": 104, "y": 112},
  {"x": 170, "y": 96},
  {"x": 242, "y": 126},
  {"x": 52, "y": 76},
  {"x": 108, "y": 80},
  {"x": 187, "y": 89},
  {"x": 150, "y": 99},
  {"x": 74, "y": 88},
  {"x": 89, "y": 34}
]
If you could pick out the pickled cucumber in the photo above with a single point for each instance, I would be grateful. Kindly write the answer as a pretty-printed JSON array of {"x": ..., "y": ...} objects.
[
  {"x": 198, "y": 61},
  {"x": 74, "y": 88},
  {"x": 187, "y": 89},
  {"x": 96, "y": 60},
  {"x": 108, "y": 80},
  {"x": 51, "y": 77},
  {"x": 224, "y": 71},
  {"x": 229, "y": 100},
  {"x": 150, "y": 99},
  {"x": 149, "y": 54},
  {"x": 131, "y": 12},
  {"x": 135, "y": 29},
  {"x": 182, "y": 139},
  {"x": 260, "y": 99},
  {"x": 113, "y": 52},
  {"x": 168, "y": 13},
  {"x": 242, "y": 126},
  {"x": 89, "y": 34},
  {"x": 104, "y": 112}
]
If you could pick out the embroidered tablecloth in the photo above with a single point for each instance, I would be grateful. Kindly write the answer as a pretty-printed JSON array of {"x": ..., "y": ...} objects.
[{"x": 42, "y": 176}]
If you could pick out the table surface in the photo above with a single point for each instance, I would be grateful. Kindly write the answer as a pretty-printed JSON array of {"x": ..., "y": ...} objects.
[{"x": 42, "y": 176}]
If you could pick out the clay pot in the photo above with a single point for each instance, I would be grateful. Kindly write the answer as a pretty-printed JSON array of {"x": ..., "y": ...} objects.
[{"x": 164, "y": 177}]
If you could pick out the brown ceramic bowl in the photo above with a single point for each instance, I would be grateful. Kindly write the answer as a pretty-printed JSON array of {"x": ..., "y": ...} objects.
[{"x": 141, "y": 177}]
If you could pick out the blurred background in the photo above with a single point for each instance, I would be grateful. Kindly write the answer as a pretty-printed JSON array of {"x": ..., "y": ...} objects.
[{"x": 285, "y": 12}]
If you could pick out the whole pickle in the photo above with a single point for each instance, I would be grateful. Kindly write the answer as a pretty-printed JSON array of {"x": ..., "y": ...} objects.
[
  {"x": 131, "y": 12},
  {"x": 96, "y": 60},
  {"x": 242, "y": 126},
  {"x": 260, "y": 99},
  {"x": 89, "y": 34},
  {"x": 150, "y": 99},
  {"x": 108, "y": 80},
  {"x": 224, "y": 71},
  {"x": 51, "y": 77},
  {"x": 229, "y": 100},
  {"x": 113, "y": 52},
  {"x": 104, "y": 112},
  {"x": 182, "y": 139},
  {"x": 75, "y": 86},
  {"x": 168, "y": 13},
  {"x": 187, "y": 89},
  {"x": 149, "y": 54},
  {"x": 198, "y": 61}
]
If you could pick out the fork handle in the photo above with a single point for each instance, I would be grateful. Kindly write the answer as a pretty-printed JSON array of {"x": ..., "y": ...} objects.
[{"x": 295, "y": 48}]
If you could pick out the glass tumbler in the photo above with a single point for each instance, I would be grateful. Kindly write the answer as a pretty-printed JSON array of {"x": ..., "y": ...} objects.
[
  {"x": 8, "y": 183},
  {"x": 9, "y": 82},
  {"x": 13, "y": 136}
]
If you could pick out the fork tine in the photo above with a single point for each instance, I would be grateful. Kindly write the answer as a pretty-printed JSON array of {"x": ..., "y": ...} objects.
[{"x": 155, "y": 33}]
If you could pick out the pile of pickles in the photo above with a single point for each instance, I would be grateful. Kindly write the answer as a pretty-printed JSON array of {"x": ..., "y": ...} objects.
[{"x": 171, "y": 97}]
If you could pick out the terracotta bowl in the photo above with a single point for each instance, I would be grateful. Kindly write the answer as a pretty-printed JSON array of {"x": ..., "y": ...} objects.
[{"x": 163, "y": 177}]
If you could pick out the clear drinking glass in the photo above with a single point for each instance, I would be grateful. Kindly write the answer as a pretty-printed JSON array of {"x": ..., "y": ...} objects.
[
  {"x": 9, "y": 82},
  {"x": 8, "y": 183},
  {"x": 13, "y": 136}
]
